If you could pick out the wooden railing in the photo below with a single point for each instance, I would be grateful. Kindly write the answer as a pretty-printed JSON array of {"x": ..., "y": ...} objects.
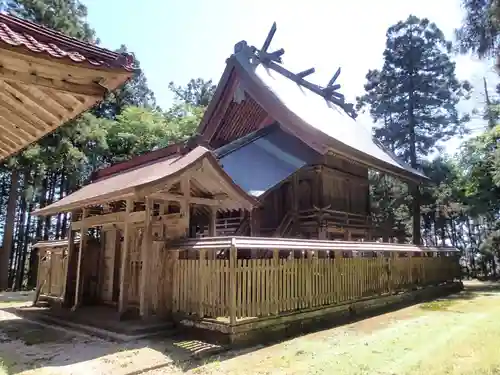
[
  {"x": 340, "y": 218},
  {"x": 235, "y": 288}
]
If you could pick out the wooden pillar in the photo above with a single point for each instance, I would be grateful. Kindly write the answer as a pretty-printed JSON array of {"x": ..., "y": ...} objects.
[
  {"x": 317, "y": 188},
  {"x": 295, "y": 205},
  {"x": 233, "y": 257},
  {"x": 203, "y": 279},
  {"x": 125, "y": 264},
  {"x": 255, "y": 222},
  {"x": 186, "y": 192},
  {"x": 254, "y": 228},
  {"x": 275, "y": 284},
  {"x": 212, "y": 222},
  {"x": 79, "y": 276},
  {"x": 147, "y": 243},
  {"x": 69, "y": 262}
]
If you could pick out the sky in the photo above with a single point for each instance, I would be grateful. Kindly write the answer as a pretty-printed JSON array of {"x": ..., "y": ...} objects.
[{"x": 180, "y": 40}]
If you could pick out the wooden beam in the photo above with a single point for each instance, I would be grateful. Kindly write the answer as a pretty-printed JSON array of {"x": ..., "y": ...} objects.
[
  {"x": 53, "y": 83},
  {"x": 191, "y": 199},
  {"x": 147, "y": 243},
  {"x": 99, "y": 220},
  {"x": 79, "y": 282},
  {"x": 124, "y": 274}
]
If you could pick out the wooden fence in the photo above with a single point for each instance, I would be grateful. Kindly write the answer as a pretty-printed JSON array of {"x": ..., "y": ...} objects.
[{"x": 243, "y": 288}]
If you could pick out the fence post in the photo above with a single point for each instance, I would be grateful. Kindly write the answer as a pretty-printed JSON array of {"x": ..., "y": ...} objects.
[
  {"x": 309, "y": 279},
  {"x": 275, "y": 293},
  {"x": 232, "y": 282},
  {"x": 174, "y": 277},
  {"x": 202, "y": 282}
]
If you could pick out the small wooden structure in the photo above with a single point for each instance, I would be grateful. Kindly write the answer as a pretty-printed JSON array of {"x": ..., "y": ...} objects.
[
  {"x": 47, "y": 78},
  {"x": 133, "y": 210}
]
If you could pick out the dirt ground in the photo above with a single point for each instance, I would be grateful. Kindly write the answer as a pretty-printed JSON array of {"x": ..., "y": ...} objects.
[{"x": 456, "y": 335}]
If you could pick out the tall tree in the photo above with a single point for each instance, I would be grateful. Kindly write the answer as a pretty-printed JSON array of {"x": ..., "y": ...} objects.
[
  {"x": 67, "y": 16},
  {"x": 135, "y": 93},
  {"x": 197, "y": 92},
  {"x": 414, "y": 97},
  {"x": 480, "y": 31}
]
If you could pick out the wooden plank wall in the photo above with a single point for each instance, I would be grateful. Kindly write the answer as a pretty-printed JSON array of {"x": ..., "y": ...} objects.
[
  {"x": 52, "y": 269},
  {"x": 272, "y": 286}
]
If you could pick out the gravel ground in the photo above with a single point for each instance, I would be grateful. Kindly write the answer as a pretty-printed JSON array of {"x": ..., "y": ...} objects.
[{"x": 459, "y": 335}]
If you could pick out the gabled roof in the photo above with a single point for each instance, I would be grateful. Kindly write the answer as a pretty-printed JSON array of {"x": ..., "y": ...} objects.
[
  {"x": 314, "y": 120},
  {"x": 261, "y": 160},
  {"x": 204, "y": 169},
  {"x": 47, "y": 78}
]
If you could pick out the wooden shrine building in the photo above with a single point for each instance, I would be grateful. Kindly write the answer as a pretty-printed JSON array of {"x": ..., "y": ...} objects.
[{"x": 238, "y": 223}]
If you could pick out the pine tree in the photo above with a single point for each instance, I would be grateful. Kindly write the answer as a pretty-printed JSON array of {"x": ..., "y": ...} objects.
[{"x": 414, "y": 97}]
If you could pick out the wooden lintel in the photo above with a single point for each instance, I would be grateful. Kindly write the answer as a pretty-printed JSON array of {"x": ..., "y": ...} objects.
[
  {"x": 111, "y": 218},
  {"x": 191, "y": 199},
  {"x": 99, "y": 220}
]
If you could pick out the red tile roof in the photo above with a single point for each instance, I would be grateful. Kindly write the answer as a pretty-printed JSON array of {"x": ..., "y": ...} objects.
[{"x": 24, "y": 35}]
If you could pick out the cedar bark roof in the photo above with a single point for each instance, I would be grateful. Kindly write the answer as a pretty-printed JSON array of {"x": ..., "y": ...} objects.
[
  {"x": 320, "y": 124},
  {"x": 47, "y": 78},
  {"x": 208, "y": 178}
]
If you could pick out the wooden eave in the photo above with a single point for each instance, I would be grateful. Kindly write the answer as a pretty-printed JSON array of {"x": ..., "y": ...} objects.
[
  {"x": 210, "y": 186},
  {"x": 38, "y": 94}
]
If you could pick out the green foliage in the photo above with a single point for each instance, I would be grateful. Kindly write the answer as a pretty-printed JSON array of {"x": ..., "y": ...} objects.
[
  {"x": 413, "y": 98},
  {"x": 67, "y": 16},
  {"x": 197, "y": 92},
  {"x": 480, "y": 30}
]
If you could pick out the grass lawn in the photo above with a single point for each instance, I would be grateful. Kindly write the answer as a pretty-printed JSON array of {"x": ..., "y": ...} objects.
[{"x": 452, "y": 336}]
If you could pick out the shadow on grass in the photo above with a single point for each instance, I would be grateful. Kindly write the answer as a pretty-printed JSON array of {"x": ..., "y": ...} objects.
[{"x": 188, "y": 350}]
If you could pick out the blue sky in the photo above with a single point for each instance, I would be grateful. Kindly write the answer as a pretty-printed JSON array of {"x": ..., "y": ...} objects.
[{"x": 179, "y": 40}]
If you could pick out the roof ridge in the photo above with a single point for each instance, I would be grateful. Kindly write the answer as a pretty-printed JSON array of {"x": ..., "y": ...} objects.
[
  {"x": 137, "y": 161},
  {"x": 272, "y": 60}
]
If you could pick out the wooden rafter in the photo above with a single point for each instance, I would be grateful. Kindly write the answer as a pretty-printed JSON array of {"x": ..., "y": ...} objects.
[{"x": 52, "y": 83}]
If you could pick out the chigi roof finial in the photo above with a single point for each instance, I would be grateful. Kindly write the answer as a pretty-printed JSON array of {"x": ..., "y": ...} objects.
[{"x": 272, "y": 59}]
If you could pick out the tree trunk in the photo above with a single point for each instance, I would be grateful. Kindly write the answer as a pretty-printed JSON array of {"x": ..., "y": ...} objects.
[
  {"x": 16, "y": 269},
  {"x": 8, "y": 230},
  {"x": 62, "y": 185},
  {"x": 24, "y": 249},
  {"x": 33, "y": 261},
  {"x": 50, "y": 199}
]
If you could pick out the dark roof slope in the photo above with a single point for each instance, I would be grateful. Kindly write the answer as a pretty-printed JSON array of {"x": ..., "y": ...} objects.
[{"x": 314, "y": 120}]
